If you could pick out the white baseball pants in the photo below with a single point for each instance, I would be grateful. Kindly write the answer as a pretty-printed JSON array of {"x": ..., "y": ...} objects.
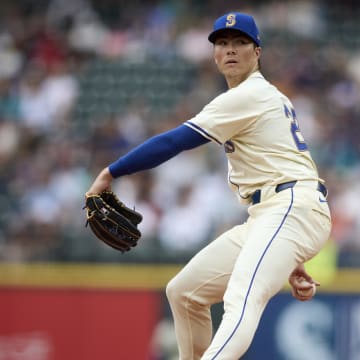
[{"x": 245, "y": 267}]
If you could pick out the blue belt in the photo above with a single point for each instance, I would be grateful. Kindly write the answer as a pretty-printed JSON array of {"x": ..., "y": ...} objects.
[{"x": 256, "y": 196}]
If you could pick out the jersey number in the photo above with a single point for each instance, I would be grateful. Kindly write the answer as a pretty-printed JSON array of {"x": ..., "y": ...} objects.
[{"x": 295, "y": 130}]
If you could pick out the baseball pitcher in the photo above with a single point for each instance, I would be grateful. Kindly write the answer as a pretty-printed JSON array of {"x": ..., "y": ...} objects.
[{"x": 270, "y": 169}]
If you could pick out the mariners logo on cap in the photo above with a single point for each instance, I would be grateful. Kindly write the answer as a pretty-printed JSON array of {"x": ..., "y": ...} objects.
[{"x": 230, "y": 20}]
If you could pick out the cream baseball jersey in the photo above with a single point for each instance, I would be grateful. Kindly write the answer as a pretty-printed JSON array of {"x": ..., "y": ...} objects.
[{"x": 257, "y": 125}]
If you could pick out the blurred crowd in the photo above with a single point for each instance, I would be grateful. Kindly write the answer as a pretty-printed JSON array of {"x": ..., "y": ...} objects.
[{"x": 82, "y": 82}]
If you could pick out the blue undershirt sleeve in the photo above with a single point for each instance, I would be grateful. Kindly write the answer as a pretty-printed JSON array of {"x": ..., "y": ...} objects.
[{"x": 157, "y": 150}]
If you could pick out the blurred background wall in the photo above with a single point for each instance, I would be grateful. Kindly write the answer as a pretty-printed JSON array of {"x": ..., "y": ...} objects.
[{"x": 83, "y": 81}]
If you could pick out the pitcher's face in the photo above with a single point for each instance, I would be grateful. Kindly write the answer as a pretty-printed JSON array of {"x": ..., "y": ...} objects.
[{"x": 236, "y": 56}]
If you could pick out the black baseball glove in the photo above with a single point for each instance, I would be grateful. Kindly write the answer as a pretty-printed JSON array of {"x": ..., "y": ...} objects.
[{"x": 111, "y": 221}]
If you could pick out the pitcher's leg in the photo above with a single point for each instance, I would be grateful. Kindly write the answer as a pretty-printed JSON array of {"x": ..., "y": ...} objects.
[
  {"x": 200, "y": 284},
  {"x": 250, "y": 288},
  {"x": 276, "y": 243}
]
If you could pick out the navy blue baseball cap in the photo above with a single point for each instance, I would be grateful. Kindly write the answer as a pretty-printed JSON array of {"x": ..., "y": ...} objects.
[{"x": 236, "y": 21}]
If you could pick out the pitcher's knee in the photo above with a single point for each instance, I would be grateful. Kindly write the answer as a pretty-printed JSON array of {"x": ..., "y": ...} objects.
[
  {"x": 178, "y": 292},
  {"x": 172, "y": 290}
]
